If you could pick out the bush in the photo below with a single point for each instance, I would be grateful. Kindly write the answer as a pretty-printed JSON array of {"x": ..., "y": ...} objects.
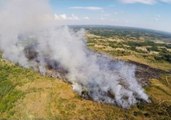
[
  {"x": 168, "y": 46},
  {"x": 164, "y": 56},
  {"x": 153, "y": 48}
]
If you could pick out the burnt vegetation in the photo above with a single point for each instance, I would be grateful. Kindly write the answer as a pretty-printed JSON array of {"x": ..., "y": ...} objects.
[
  {"x": 156, "y": 81},
  {"x": 57, "y": 70}
]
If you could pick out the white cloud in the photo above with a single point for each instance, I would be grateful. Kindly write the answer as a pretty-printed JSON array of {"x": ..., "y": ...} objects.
[
  {"x": 72, "y": 17},
  {"x": 87, "y": 8},
  {"x": 166, "y": 1},
  {"x": 86, "y": 18},
  {"x": 145, "y": 1},
  {"x": 139, "y": 1},
  {"x": 157, "y": 18},
  {"x": 66, "y": 17}
]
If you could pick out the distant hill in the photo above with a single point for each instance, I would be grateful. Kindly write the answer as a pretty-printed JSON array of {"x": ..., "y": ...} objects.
[{"x": 109, "y": 31}]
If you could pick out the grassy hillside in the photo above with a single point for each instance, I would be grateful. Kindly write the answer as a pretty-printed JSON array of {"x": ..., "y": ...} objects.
[
  {"x": 27, "y": 95},
  {"x": 152, "y": 52}
]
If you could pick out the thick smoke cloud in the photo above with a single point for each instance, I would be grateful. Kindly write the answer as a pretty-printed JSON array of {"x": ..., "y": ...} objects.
[{"x": 30, "y": 37}]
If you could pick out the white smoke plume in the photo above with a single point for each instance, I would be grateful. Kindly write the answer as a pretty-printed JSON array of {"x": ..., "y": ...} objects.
[{"x": 30, "y": 36}]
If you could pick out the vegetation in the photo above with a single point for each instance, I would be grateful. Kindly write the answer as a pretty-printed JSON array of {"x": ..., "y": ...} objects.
[
  {"x": 150, "y": 47},
  {"x": 27, "y": 95},
  {"x": 151, "y": 50}
]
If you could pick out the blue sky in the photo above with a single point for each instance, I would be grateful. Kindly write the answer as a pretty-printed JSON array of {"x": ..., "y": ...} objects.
[{"x": 153, "y": 14}]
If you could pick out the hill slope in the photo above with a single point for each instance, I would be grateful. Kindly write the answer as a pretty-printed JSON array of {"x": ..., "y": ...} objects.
[{"x": 26, "y": 95}]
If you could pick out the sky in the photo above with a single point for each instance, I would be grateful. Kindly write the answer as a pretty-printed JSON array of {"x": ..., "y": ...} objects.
[{"x": 152, "y": 14}]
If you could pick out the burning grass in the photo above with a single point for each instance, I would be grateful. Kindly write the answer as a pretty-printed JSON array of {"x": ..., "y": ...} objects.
[
  {"x": 45, "y": 47},
  {"x": 28, "y": 95}
]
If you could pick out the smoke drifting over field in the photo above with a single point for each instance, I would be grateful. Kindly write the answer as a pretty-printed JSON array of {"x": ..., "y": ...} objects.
[{"x": 30, "y": 36}]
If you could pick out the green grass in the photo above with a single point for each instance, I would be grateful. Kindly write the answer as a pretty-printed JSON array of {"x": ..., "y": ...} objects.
[{"x": 8, "y": 93}]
